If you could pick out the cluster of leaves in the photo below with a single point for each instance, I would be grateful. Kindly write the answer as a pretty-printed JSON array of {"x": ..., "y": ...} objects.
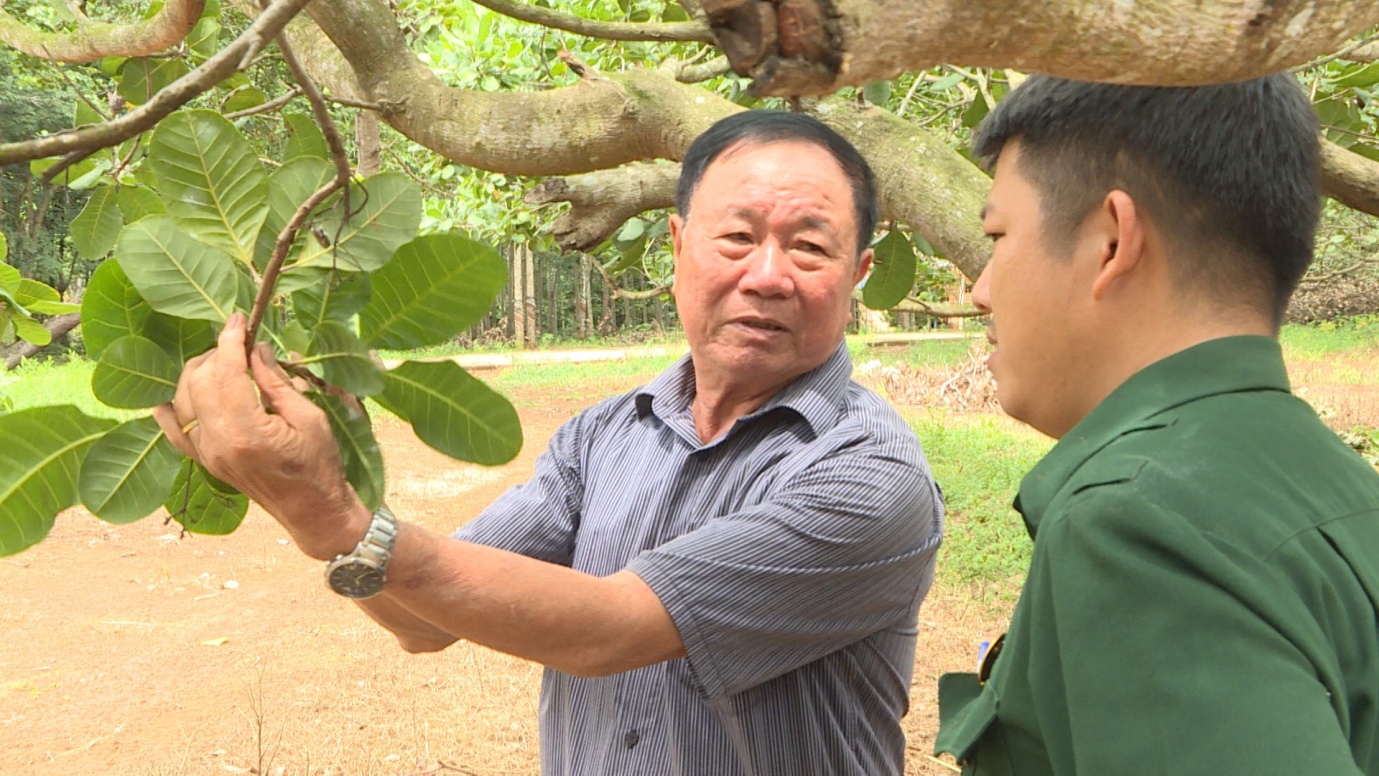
[
  {"x": 20, "y": 299},
  {"x": 191, "y": 240}
]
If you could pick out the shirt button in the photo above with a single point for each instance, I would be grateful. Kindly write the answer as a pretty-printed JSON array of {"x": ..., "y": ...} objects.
[{"x": 631, "y": 738}]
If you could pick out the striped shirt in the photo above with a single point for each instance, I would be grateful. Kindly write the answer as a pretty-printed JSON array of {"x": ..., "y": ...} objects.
[{"x": 792, "y": 554}]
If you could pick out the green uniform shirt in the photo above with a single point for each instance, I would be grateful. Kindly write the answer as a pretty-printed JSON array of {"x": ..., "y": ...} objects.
[{"x": 1204, "y": 592}]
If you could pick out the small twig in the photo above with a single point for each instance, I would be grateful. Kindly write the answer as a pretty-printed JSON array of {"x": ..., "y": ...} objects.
[
  {"x": 693, "y": 74},
  {"x": 271, "y": 105},
  {"x": 280, "y": 248},
  {"x": 1338, "y": 55},
  {"x": 578, "y": 66},
  {"x": 211, "y": 72},
  {"x": 597, "y": 28},
  {"x": 341, "y": 183},
  {"x": 620, "y": 293}
]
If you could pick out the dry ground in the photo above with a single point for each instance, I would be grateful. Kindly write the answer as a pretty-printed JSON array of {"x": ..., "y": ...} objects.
[{"x": 131, "y": 650}]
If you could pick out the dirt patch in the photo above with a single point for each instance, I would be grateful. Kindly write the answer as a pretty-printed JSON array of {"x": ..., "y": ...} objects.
[{"x": 131, "y": 650}]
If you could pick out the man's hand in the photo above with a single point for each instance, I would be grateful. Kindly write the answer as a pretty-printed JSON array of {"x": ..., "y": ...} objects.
[{"x": 266, "y": 439}]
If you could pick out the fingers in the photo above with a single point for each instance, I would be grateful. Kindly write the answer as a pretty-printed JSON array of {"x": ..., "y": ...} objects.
[
  {"x": 279, "y": 391},
  {"x": 172, "y": 429},
  {"x": 231, "y": 393}
]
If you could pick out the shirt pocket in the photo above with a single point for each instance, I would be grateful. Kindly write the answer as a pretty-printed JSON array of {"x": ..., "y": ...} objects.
[{"x": 967, "y": 729}]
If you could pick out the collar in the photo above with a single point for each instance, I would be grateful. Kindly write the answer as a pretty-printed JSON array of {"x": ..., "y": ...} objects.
[
  {"x": 1226, "y": 365},
  {"x": 815, "y": 396}
]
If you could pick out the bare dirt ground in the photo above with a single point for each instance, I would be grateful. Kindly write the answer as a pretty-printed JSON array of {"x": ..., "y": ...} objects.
[{"x": 133, "y": 650}]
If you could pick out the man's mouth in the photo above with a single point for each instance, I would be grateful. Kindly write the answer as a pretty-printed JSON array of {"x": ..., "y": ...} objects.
[{"x": 763, "y": 325}]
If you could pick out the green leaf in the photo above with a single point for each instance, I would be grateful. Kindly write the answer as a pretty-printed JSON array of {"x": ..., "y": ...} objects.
[
  {"x": 877, "y": 92},
  {"x": 97, "y": 226},
  {"x": 83, "y": 114},
  {"x": 288, "y": 187},
  {"x": 204, "y": 39},
  {"x": 180, "y": 338},
  {"x": 134, "y": 373},
  {"x": 39, "y": 465},
  {"x": 53, "y": 308},
  {"x": 387, "y": 213},
  {"x": 243, "y": 98},
  {"x": 1359, "y": 77},
  {"x": 32, "y": 331},
  {"x": 175, "y": 273},
  {"x": 358, "y": 448},
  {"x": 204, "y": 504},
  {"x": 630, "y": 255},
  {"x": 304, "y": 138},
  {"x": 211, "y": 181},
  {"x": 128, "y": 472},
  {"x": 31, "y": 291},
  {"x": 335, "y": 297},
  {"x": 136, "y": 202},
  {"x": 947, "y": 82},
  {"x": 435, "y": 287},
  {"x": 344, "y": 360},
  {"x": 975, "y": 112},
  {"x": 453, "y": 412},
  {"x": 892, "y": 272},
  {"x": 5, "y": 251},
  {"x": 111, "y": 308},
  {"x": 142, "y": 78}
]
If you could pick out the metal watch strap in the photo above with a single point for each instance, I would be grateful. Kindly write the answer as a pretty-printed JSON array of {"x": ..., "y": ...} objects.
[{"x": 362, "y": 572}]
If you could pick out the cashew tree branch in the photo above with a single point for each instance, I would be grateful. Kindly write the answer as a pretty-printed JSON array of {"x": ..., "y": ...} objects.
[
  {"x": 227, "y": 62},
  {"x": 93, "y": 40},
  {"x": 801, "y": 47},
  {"x": 597, "y": 28}
]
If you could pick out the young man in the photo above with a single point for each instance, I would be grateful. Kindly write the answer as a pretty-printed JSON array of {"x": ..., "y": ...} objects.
[
  {"x": 721, "y": 571},
  {"x": 1203, "y": 596}
]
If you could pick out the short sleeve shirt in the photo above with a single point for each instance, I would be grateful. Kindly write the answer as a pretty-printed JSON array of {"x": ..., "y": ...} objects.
[
  {"x": 1203, "y": 596},
  {"x": 792, "y": 554}
]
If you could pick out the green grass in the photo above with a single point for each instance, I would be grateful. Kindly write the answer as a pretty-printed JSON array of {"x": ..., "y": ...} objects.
[
  {"x": 41, "y": 383},
  {"x": 1329, "y": 338},
  {"x": 979, "y": 461}
]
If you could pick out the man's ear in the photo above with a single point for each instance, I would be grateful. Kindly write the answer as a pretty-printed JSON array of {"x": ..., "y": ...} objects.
[
  {"x": 1117, "y": 232},
  {"x": 677, "y": 233},
  {"x": 863, "y": 264}
]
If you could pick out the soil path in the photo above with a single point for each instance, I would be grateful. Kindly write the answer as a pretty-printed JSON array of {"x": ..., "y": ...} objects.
[{"x": 131, "y": 650}]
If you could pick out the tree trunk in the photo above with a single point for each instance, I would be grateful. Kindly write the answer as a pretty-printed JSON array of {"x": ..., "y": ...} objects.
[
  {"x": 367, "y": 142},
  {"x": 530, "y": 324},
  {"x": 517, "y": 309},
  {"x": 800, "y": 47},
  {"x": 583, "y": 315}
]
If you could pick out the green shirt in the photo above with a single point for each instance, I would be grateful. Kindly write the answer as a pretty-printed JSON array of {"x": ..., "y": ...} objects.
[{"x": 1203, "y": 596}]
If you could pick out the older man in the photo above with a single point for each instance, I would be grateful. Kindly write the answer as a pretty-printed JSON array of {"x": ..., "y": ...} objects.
[
  {"x": 1204, "y": 591},
  {"x": 721, "y": 570}
]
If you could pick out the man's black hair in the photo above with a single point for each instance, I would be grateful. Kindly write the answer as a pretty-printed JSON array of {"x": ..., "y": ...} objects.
[
  {"x": 1228, "y": 173},
  {"x": 756, "y": 127}
]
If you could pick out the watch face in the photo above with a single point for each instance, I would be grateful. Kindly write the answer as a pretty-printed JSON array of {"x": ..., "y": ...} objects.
[{"x": 356, "y": 578}]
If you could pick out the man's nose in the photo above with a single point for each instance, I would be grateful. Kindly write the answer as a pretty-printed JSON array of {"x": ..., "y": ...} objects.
[
  {"x": 981, "y": 292},
  {"x": 767, "y": 271}
]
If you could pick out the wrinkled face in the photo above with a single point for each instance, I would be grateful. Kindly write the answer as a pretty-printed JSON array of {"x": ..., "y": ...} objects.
[
  {"x": 1030, "y": 292},
  {"x": 765, "y": 265}
]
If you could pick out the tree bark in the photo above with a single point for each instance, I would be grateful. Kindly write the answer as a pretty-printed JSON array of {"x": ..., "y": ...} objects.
[
  {"x": 93, "y": 40},
  {"x": 368, "y": 146},
  {"x": 802, "y": 47},
  {"x": 57, "y": 326},
  {"x": 530, "y": 324},
  {"x": 1350, "y": 179}
]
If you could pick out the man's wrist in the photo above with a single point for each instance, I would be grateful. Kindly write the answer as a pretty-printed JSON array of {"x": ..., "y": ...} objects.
[{"x": 345, "y": 534}]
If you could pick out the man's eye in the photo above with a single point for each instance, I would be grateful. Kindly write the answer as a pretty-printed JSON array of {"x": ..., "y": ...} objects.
[
  {"x": 738, "y": 237},
  {"x": 813, "y": 248}
]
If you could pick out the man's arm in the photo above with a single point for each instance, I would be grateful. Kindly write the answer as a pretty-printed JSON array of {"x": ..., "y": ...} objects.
[{"x": 439, "y": 589}]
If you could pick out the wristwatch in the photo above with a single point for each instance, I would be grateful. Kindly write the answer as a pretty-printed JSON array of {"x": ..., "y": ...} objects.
[{"x": 362, "y": 572}]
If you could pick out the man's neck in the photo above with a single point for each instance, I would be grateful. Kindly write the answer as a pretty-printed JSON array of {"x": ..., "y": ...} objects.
[
  {"x": 1141, "y": 345},
  {"x": 717, "y": 405}
]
